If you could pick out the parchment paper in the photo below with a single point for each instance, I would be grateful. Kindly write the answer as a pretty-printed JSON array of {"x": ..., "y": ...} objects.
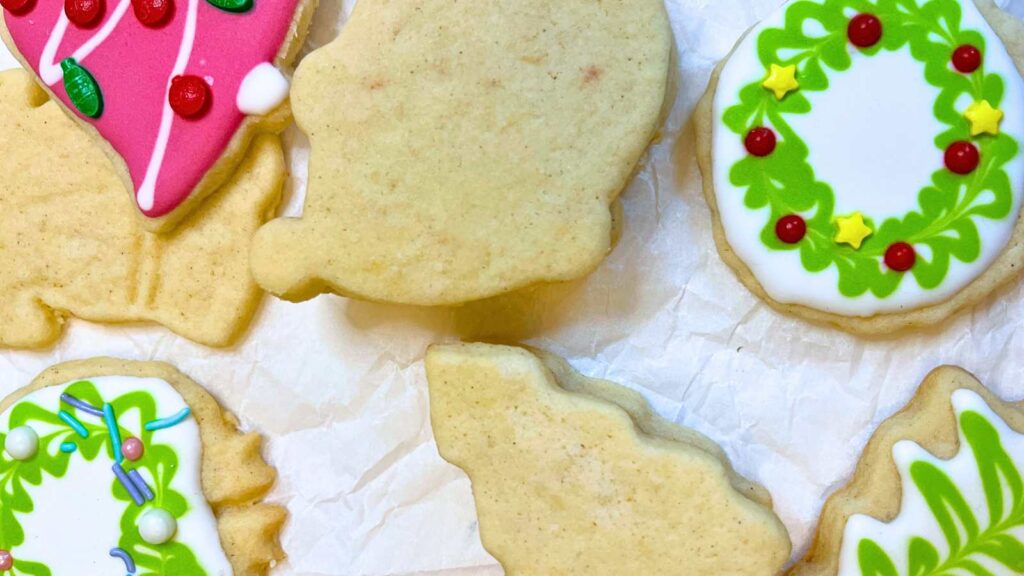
[{"x": 338, "y": 388}]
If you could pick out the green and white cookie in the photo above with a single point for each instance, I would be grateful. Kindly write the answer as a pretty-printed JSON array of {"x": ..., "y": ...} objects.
[
  {"x": 939, "y": 490},
  {"x": 111, "y": 466},
  {"x": 864, "y": 161}
]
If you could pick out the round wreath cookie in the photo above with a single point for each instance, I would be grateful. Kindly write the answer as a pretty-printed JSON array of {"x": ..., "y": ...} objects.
[
  {"x": 863, "y": 160},
  {"x": 175, "y": 90},
  {"x": 118, "y": 467}
]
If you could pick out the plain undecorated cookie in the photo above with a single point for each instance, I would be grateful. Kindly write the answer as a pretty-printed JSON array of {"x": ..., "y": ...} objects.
[
  {"x": 233, "y": 477},
  {"x": 462, "y": 150},
  {"x": 577, "y": 476},
  {"x": 71, "y": 246}
]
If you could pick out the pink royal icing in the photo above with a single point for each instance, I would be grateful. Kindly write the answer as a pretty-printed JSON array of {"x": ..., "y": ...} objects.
[{"x": 133, "y": 65}]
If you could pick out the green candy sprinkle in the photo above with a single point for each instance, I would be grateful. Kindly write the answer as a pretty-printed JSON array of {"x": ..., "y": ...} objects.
[
  {"x": 82, "y": 88},
  {"x": 232, "y": 5}
]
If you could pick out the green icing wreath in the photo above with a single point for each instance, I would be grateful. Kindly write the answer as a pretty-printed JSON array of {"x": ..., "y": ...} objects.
[
  {"x": 785, "y": 181},
  {"x": 159, "y": 460}
]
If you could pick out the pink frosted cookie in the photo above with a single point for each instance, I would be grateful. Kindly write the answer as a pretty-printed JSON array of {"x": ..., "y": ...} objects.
[{"x": 176, "y": 88}]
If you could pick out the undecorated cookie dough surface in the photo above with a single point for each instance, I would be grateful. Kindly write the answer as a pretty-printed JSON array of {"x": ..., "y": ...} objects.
[
  {"x": 71, "y": 246},
  {"x": 199, "y": 468},
  {"x": 930, "y": 428},
  {"x": 568, "y": 482},
  {"x": 466, "y": 149}
]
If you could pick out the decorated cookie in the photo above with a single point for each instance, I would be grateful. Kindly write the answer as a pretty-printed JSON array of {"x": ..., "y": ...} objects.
[
  {"x": 939, "y": 490},
  {"x": 175, "y": 89},
  {"x": 462, "y": 150},
  {"x": 577, "y": 476},
  {"x": 863, "y": 159},
  {"x": 117, "y": 467},
  {"x": 71, "y": 246}
]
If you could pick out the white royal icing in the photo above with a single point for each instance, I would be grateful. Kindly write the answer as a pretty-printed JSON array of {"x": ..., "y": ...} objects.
[
  {"x": 263, "y": 89},
  {"x": 915, "y": 518},
  {"x": 896, "y": 146},
  {"x": 76, "y": 519}
]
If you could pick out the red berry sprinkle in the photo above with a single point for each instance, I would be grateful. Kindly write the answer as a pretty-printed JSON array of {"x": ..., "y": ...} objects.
[
  {"x": 900, "y": 257},
  {"x": 84, "y": 13},
  {"x": 189, "y": 95},
  {"x": 791, "y": 229},
  {"x": 132, "y": 449},
  {"x": 760, "y": 141},
  {"x": 962, "y": 157},
  {"x": 6, "y": 561},
  {"x": 152, "y": 13},
  {"x": 966, "y": 59},
  {"x": 17, "y": 6},
  {"x": 865, "y": 30}
]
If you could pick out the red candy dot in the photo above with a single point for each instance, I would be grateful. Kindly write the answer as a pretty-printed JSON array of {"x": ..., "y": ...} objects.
[
  {"x": 962, "y": 157},
  {"x": 152, "y": 13},
  {"x": 966, "y": 59},
  {"x": 760, "y": 141},
  {"x": 84, "y": 13},
  {"x": 132, "y": 449},
  {"x": 6, "y": 561},
  {"x": 17, "y": 6},
  {"x": 865, "y": 30},
  {"x": 791, "y": 229},
  {"x": 189, "y": 95},
  {"x": 900, "y": 257}
]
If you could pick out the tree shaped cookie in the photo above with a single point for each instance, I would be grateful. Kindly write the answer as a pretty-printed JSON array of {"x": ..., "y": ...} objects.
[
  {"x": 466, "y": 149},
  {"x": 939, "y": 490},
  {"x": 576, "y": 476},
  {"x": 174, "y": 89},
  {"x": 71, "y": 246},
  {"x": 118, "y": 467}
]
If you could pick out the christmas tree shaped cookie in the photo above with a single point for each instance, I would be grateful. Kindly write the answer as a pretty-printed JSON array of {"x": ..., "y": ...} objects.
[
  {"x": 863, "y": 159},
  {"x": 939, "y": 490},
  {"x": 576, "y": 476},
  {"x": 71, "y": 246},
  {"x": 462, "y": 150},
  {"x": 117, "y": 467},
  {"x": 175, "y": 90}
]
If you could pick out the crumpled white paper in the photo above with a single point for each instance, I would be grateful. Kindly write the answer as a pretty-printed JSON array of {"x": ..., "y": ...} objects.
[{"x": 338, "y": 388}]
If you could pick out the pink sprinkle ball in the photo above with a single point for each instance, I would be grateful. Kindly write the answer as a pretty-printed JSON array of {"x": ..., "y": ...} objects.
[
  {"x": 6, "y": 561},
  {"x": 132, "y": 449}
]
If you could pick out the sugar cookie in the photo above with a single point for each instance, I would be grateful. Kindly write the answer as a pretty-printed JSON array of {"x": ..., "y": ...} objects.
[{"x": 577, "y": 476}]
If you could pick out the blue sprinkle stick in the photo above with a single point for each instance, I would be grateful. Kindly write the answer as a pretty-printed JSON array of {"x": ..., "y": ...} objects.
[
  {"x": 128, "y": 485},
  {"x": 140, "y": 483},
  {"x": 68, "y": 447},
  {"x": 114, "y": 431},
  {"x": 74, "y": 423},
  {"x": 83, "y": 406},
  {"x": 168, "y": 422},
  {"x": 129, "y": 562}
]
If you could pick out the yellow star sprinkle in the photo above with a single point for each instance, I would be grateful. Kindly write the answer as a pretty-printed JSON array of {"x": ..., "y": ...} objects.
[
  {"x": 984, "y": 118},
  {"x": 852, "y": 230},
  {"x": 782, "y": 80}
]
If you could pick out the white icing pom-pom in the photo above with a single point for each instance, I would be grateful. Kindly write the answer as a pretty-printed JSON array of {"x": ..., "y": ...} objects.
[
  {"x": 21, "y": 443},
  {"x": 263, "y": 89},
  {"x": 157, "y": 526}
]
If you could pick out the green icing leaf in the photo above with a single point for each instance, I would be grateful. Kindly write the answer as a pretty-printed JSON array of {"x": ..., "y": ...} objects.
[
  {"x": 785, "y": 181},
  {"x": 82, "y": 88},
  {"x": 232, "y": 5},
  {"x": 160, "y": 460},
  {"x": 970, "y": 548}
]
